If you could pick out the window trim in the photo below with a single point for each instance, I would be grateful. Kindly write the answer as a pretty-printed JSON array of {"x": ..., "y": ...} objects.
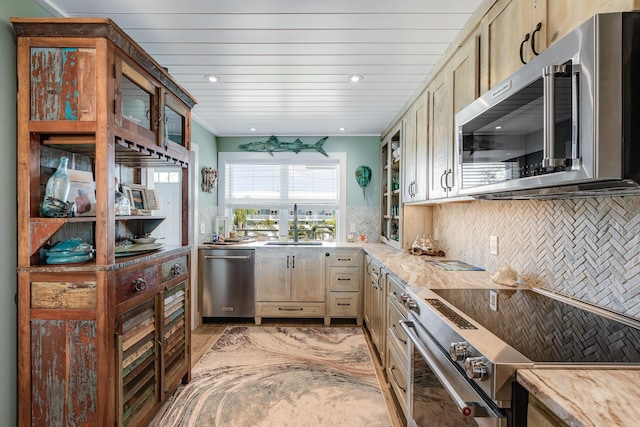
[{"x": 341, "y": 219}]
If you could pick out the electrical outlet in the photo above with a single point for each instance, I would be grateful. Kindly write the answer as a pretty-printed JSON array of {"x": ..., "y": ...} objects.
[
  {"x": 436, "y": 233},
  {"x": 493, "y": 245},
  {"x": 493, "y": 300},
  {"x": 352, "y": 229},
  {"x": 202, "y": 228}
]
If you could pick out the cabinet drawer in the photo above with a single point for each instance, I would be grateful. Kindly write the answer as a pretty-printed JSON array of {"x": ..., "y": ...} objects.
[
  {"x": 130, "y": 283},
  {"x": 343, "y": 279},
  {"x": 396, "y": 333},
  {"x": 274, "y": 309},
  {"x": 343, "y": 304},
  {"x": 173, "y": 268},
  {"x": 344, "y": 259},
  {"x": 397, "y": 374}
]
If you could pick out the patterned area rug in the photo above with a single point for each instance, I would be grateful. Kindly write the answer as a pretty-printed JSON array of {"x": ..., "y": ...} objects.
[{"x": 281, "y": 376}]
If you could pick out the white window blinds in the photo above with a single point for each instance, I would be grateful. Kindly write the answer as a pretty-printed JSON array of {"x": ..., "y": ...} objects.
[{"x": 278, "y": 183}]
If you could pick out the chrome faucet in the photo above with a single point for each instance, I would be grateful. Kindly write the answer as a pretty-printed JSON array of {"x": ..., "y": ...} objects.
[{"x": 295, "y": 222}]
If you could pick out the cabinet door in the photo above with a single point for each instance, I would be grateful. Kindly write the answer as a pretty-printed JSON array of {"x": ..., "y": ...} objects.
[
  {"x": 563, "y": 16},
  {"x": 414, "y": 152},
  {"x": 366, "y": 309},
  {"x": 138, "y": 368},
  {"x": 308, "y": 276},
  {"x": 136, "y": 102},
  {"x": 509, "y": 26},
  {"x": 272, "y": 276},
  {"x": 441, "y": 134},
  {"x": 175, "y": 333},
  {"x": 409, "y": 156},
  {"x": 421, "y": 160},
  {"x": 175, "y": 121}
]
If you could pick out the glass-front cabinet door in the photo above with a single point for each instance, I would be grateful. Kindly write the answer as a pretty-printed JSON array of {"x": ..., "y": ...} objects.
[
  {"x": 136, "y": 103},
  {"x": 174, "y": 121}
]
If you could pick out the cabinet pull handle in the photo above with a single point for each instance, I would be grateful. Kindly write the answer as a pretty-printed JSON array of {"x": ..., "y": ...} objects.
[
  {"x": 176, "y": 270},
  {"x": 395, "y": 380},
  {"x": 293, "y": 264},
  {"x": 446, "y": 181},
  {"x": 395, "y": 333},
  {"x": 344, "y": 259},
  {"x": 526, "y": 39},
  {"x": 290, "y": 309},
  {"x": 533, "y": 39},
  {"x": 287, "y": 261},
  {"x": 344, "y": 304},
  {"x": 442, "y": 180},
  {"x": 341, "y": 279},
  {"x": 139, "y": 284}
]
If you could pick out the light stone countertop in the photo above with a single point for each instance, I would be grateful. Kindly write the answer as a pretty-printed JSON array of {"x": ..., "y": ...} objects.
[{"x": 587, "y": 397}]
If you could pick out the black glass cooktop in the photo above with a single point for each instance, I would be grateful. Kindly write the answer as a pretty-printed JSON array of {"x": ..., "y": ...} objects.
[{"x": 547, "y": 330}]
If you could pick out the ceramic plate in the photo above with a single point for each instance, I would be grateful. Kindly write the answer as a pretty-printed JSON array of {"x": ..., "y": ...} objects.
[{"x": 136, "y": 249}]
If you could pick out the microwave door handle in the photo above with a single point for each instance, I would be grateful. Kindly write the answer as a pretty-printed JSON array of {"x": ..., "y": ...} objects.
[
  {"x": 549, "y": 160},
  {"x": 575, "y": 116}
]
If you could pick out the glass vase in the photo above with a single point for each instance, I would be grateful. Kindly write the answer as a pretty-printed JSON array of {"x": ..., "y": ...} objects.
[{"x": 56, "y": 192}]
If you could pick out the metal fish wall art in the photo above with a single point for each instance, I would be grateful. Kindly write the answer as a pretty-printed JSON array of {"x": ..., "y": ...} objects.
[{"x": 274, "y": 145}]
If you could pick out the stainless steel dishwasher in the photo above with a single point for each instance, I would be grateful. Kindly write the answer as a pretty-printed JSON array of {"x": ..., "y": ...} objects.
[{"x": 226, "y": 278}]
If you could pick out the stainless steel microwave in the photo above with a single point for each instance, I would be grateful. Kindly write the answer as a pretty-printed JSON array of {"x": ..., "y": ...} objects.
[{"x": 566, "y": 124}]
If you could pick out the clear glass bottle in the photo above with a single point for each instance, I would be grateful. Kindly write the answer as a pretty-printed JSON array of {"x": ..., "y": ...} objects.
[
  {"x": 122, "y": 205},
  {"x": 56, "y": 192}
]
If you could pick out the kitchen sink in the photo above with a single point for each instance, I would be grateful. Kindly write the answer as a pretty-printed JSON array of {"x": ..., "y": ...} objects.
[{"x": 292, "y": 243}]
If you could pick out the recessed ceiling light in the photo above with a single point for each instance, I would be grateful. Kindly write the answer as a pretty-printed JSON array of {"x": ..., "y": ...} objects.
[
  {"x": 252, "y": 129},
  {"x": 356, "y": 78},
  {"x": 498, "y": 127},
  {"x": 343, "y": 129},
  {"x": 212, "y": 78}
]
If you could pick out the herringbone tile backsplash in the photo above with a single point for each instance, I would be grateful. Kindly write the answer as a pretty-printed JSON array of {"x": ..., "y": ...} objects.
[{"x": 588, "y": 249}]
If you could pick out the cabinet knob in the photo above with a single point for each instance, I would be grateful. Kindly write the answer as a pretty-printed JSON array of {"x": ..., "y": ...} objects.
[
  {"x": 139, "y": 284},
  {"x": 176, "y": 270}
]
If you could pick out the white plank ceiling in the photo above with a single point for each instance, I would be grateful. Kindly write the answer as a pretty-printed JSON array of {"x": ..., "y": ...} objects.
[{"x": 283, "y": 64}]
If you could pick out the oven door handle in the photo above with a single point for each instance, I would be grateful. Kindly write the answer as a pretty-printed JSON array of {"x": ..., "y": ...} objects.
[{"x": 467, "y": 408}]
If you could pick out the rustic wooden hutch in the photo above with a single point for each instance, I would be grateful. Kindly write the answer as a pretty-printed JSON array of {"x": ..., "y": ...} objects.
[{"x": 101, "y": 342}]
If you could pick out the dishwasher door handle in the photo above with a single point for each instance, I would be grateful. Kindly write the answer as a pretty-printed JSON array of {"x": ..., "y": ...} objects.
[{"x": 227, "y": 257}]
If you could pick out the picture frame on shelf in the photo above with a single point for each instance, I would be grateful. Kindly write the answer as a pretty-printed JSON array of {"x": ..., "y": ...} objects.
[
  {"x": 143, "y": 200},
  {"x": 82, "y": 192}
]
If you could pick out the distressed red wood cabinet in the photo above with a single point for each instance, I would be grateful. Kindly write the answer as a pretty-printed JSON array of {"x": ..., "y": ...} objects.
[{"x": 101, "y": 342}]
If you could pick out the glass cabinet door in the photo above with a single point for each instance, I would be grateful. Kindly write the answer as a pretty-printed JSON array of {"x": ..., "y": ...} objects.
[
  {"x": 136, "y": 103},
  {"x": 174, "y": 121}
]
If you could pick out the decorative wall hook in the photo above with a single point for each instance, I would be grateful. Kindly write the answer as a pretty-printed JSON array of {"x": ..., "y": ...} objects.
[{"x": 209, "y": 179}]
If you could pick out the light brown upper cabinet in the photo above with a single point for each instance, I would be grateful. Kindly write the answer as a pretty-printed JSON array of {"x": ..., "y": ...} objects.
[
  {"x": 452, "y": 89},
  {"x": 414, "y": 152},
  {"x": 513, "y": 31}
]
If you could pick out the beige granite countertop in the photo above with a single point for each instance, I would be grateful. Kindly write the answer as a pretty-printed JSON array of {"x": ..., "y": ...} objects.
[
  {"x": 416, "y": 270},
  {"x": 587, "y": 397}
]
